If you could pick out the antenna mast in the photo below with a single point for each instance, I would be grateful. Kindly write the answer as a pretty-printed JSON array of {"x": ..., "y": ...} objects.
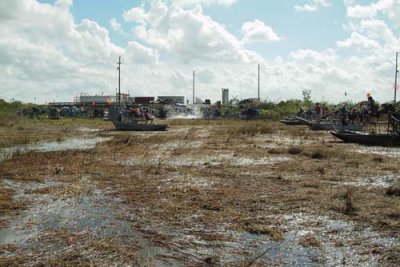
[
  {"x": 258, "y": 82},
  {"x": 194, "y": 76},
  {"x": 395, "y": 78},
  {"x": 119, "y": 81}
]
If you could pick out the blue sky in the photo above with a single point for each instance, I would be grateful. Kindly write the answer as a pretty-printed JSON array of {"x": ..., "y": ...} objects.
[
  {"x": 328, "y": 47},
  {"x": 318, "y": 30}
]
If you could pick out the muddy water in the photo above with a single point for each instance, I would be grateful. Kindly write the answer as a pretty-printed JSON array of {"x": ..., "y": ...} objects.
[
  {"x": 69, "y": 144},
  {"x": 103, "y": 216},
  {"x": 382, "y": 151},
  {"x": 375, "y": 181},
  {"x": 89, "y": 210}
]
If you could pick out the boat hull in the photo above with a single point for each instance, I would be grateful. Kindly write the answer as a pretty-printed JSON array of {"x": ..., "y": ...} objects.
[
  {"x": 326, "y": 125},
  {"x": 368, "y": 139},
  {"x": 293, "y": 121},
  {"x": 125, "y": 126},
  {"x": 339, "y": 127}
]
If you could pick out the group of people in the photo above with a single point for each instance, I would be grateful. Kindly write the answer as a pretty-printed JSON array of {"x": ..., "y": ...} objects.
[
  {"x": 138, "y": 114},
  {"x": 365, "y": 112}
]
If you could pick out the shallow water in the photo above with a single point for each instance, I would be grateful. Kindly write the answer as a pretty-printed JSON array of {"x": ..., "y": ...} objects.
[
  {"x": 375, "y": 181},
  {"x": 69, "y": 144},
  {"x": 90, "y": 210},
  {"x": 393, "y": 152}
]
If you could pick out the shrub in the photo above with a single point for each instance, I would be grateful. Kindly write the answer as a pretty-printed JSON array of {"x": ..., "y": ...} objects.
[
  {"x": 295, "y": 150},
  {"x": 393, "y": 191}
]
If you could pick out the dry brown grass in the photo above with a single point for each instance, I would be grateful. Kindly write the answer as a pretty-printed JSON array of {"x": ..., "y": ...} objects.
[
  {"x": 349, "y": 202},
  {"x": 6, "y": 196},
  {"x": 274, "y": 234},
  {"x": 250, "y": 128},
  {"x": 219, "y": 195},
  {"x": 309, "y": 241},
  {"x": 25, "y": 131},
  {"x": 295, "y": 150},
  {"x": 393, "y": 191}
]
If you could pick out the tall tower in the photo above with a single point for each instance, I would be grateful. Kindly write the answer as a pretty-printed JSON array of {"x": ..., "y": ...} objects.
[{"x": 225, "y": 96}]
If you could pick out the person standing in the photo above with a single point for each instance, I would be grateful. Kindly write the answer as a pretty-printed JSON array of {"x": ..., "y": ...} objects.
[
  {"x": 317, "y": 111},
  {"x": 370, "y": 107}
]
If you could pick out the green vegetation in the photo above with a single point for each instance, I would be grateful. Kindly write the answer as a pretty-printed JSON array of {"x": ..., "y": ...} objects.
[{"x": 8, "y": 111}]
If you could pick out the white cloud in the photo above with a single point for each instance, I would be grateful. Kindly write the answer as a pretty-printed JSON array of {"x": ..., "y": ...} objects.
[
  {"x": 257, "y": 31},
  {"x": 378, "y": 30},
  {"x": 367, "y": 11},
  {"x": 186, "y": 3},
  {"x": 188, "y": 35},
  {"x": 312, "y": 6},
  {"x": 135, "y": 14},
  {"x": 116, "y": 26},
  {"x": 358, "y": 41},
  {"x": 137, "y": 53},
  {"x": 55, "y": 61},
  {"x": 206, "y": 75},
  {"x": 312, "y": 55}
]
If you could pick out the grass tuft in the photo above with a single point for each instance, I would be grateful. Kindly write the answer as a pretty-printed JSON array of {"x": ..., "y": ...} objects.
[
  {"x": 318, "y": 154},
  {"x": 295, "y": 150},
  {"x": 393, "y": 191},
  {"x": 309, "y": 241},
  {"x": 350, "y": 208},
  {"x": 258, "y": 229}
]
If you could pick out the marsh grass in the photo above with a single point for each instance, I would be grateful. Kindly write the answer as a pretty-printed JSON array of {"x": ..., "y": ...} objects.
[
  {"x": 23, "y": 130},
  {"x": 321, "y": 170},
  {"x": 309, "y": 241},
  {"x": 318, "y": 154},
  {"x": 193, "y": 122},
  {"x": 274, "y": 233},
  {"x": 276, "y": 151},
  {"x": 179, "y": 198},
  {"x": 295, "y": 150},
  {"x": 349, "y": 202},
  {"x": 325, "y": 152},
  {"x": 393, "y": 191},
  {"x": 378, "y": 159},
  {"x": 249, "y": 128},
  {"x": 6, "y": 196}
]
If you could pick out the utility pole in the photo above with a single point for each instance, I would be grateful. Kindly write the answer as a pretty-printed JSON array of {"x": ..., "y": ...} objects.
[
  {"x": 194, "y": 77},
  {"x": 119, "y": 81},
  {"x": 395, "y": 78},
  {"x": 258, "y": 81}
]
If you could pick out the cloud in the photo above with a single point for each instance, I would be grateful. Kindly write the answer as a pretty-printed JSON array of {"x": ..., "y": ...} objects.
[
  {"x": 257, "y": 31},
  {"x": 367, "y": 11},
  {"x": 60, "y": 58},
  {"x": 136, "y": 14},
  {"x": 312, "y": 55},
  {"x": 206, "y": 75},
  {"x": 116, "y": 26},
  {"x": 56, "y": 61},
  {"x": 358, "y": 41},
  {"x": 139, "y": 54},
  {"x": 186, "y": 3},
  {"x": 187, "y": 35},
  {"x": 312, "y": 6},
  {"x": 378, "y": 30}
]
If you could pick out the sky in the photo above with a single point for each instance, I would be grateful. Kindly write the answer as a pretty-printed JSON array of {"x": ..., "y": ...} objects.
[{"x": 340, "y": 50}]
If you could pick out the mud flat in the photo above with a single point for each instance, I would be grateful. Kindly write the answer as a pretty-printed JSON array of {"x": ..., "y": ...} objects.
[{"x": 228, "y": 193}]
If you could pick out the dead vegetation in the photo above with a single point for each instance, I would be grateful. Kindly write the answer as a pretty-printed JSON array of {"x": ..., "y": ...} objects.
[{"x": 203, "y": 183}]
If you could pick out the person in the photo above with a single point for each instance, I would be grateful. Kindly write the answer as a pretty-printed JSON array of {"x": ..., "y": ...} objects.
[
  {"x": 136, "y": 112},
  {"x": 301, "y": 111},
  {"x": 317, "y": 110},
  {"x": 370, "y": 107},
  {"x": 343, "y": 113},
  {"x": 148, "y": 116},
  {"x": 353, "y": 115}
]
